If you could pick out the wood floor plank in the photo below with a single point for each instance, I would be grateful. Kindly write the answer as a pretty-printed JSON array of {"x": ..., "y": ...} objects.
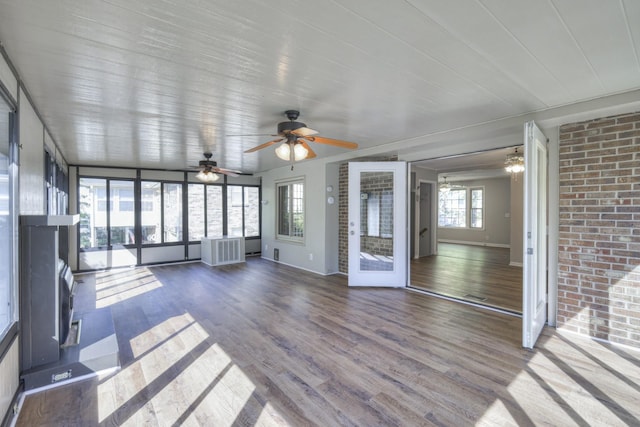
[
  {"x": 479, "y": 274},
  {"x": 261, "y": 343}
]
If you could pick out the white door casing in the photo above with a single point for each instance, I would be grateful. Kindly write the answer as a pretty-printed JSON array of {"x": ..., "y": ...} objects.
[{"x": 534, "y": 296}]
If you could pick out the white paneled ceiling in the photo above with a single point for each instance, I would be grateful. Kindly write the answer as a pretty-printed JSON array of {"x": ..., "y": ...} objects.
[{"x": 155, "y": 83}]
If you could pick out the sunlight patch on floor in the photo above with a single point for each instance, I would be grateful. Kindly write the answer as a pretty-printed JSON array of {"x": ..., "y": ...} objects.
[
  {"x": 497, "y": 411},
  {"x": 180, "y": 378},
  {"x": 108, "y": 294},
  {"x": 132, "y": 379}
]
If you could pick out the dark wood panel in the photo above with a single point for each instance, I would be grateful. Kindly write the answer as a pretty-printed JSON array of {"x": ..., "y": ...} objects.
[
  {"x": 265, "y": 344},
  {"x": 477, "y": 274}
]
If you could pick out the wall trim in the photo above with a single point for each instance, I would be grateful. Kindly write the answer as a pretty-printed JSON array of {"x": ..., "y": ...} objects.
[
  {"x": 297, "y": 266},
  {"x": 516, "y": 264},
  {"x": 464, "y": 242}
]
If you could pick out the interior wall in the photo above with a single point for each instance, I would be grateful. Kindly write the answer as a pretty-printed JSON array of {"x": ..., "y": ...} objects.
[
  {"x": 599, "y": 241},
  {"x": 32, "y": 189},
  {"x": 310, "y": 254},
  {"x": 497, "y": 205}
]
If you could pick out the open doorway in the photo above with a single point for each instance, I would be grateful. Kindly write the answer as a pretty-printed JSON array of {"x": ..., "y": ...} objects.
[{"x": 467, "y": 227}]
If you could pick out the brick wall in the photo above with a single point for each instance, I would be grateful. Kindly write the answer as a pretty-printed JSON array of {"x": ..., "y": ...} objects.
[{"x": 599, "y": 240}]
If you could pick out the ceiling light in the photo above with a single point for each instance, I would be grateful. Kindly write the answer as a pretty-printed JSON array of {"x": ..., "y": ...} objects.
[
  {"x": 207, "y": 176},
  {"x": 514, "y": 162},
  {"x": 284, "y": 151},
  {"x": 445, "y": 186}
]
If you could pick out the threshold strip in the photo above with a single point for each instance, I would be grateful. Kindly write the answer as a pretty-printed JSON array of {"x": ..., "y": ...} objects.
[{"x": 461, "y": 301}]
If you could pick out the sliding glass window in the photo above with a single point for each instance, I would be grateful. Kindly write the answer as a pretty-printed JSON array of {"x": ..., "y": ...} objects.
[
  {"x": 8, "y": 173},
  {"x": 106, "y": 220},
  {"x": 196, "y": 198},
  {"x": 215, "y": 222},
  {"x": 161, "y": 216},
  {"x": 172, "y": 208}
]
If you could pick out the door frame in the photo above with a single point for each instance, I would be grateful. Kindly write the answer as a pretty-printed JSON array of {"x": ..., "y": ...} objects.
[
  {"x": 398, "y": 277},
  {"x": 433, "y": 223}
]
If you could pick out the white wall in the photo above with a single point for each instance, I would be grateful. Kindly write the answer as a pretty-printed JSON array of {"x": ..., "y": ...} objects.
[
  {"x": 517, "y": 219},
  {"x": 314, "y": 246},
  {"x": 497, "y": 222},
  {"x": 32, "y": 190}
]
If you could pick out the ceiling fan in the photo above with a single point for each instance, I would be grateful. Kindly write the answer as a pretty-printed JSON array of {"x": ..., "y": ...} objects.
[
  {"x": 445, "y": 186},
  {"x": 209, "y": 170},
  {"x": 295, "y": 137}
]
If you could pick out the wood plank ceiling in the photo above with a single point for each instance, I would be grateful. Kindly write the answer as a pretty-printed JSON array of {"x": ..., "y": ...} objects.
[{"x": 155, "y": 83}]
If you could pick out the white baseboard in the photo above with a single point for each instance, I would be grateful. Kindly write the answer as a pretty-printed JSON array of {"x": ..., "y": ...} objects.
[
  {"x": 515, "y": 264},
  {"x": 464, "y": 242},
  {"x": 297, "y": 266}
]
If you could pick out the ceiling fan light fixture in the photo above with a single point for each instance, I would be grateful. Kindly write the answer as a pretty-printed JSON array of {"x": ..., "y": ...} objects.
[
  {"x": 207, "y": 176},
  {"x": 514, "y": 162},
  {"x": 284, "y": 152}
]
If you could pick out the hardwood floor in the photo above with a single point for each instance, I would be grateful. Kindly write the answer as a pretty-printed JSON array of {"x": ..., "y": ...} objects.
[
  {"x": 265, "y": 344},
  {"x": 477, "y": 274}
]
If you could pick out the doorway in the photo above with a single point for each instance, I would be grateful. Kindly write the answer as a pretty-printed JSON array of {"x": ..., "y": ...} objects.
[{"x": 467, "y": 242}]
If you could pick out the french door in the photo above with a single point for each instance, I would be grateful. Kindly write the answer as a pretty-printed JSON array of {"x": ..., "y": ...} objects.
[
  {"x": 377, "y": 224},
  {"x": 534, "y": 295}
]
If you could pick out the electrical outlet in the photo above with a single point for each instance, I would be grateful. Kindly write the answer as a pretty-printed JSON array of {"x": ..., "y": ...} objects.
[
  {"x": 266, "y": 247},
  {"x": 310, "y": 257}
]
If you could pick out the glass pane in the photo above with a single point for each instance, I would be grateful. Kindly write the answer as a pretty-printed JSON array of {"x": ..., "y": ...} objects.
[
  {"x": 251, "y": 211},
  {"x": 151, "y": 212},
  {"x": 6, "y": 248},
  {"x": 376, "y": 213},
  {"x": 196, "y": 207},
  {"x": 214, "y": 211},
  {"x": 93, "y": 213},
  {"x": 297, "y": 210},
  {"x": 283, "y": 210},
  {"x": 234, "y": 210},
  {"x": 172, "y": 212},
  {"x": 121, "y": 214}
]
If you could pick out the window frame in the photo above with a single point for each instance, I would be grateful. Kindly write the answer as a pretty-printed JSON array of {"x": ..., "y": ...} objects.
[
  {"x": 290, "y": 183},
  {"x": 468, "y": 190},
  {"x": 107, "y": 211}
]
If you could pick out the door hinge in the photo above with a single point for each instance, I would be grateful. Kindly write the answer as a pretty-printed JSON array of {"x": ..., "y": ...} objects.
[{"x": 529, "y": 251}]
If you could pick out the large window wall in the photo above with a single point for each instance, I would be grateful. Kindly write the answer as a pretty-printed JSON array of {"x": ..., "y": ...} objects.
[{"x": 158, "y": 217}]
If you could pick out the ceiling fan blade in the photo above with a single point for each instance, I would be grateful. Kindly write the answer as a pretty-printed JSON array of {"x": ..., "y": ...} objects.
[
  {"x": 225, "y": 171},
  {"x": 334, "y": 142},
  {"x": 251, "y": 134},
  {"x": 304, "y": 131},
  {"x": 312, "y": 153},
  {"x": 265, "y": 145}
]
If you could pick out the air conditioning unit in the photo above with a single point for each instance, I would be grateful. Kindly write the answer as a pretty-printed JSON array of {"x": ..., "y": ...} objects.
[{"x": 222, "y": 250}]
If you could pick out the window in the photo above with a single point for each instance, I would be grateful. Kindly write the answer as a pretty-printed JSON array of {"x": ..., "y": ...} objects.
[
  {"x": 196, "y": 200},
  {"x": 477, "y": 208},
  {"x": 461, "y": 208},
  {"x": 8, "y": 276},
  {"x": 251, "y": 211},
  {"x": 172, "y": 209},
  {"x": 290, "y": 215},
  {"x": 234, "y": 211},
  {"x": 214, "y": 211},
  {"x": 121, "y": 216},
  {"x": 151, "y": 213},
  {"x": 99, "y": 228},
  {"x": 93, "y": 213}
]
